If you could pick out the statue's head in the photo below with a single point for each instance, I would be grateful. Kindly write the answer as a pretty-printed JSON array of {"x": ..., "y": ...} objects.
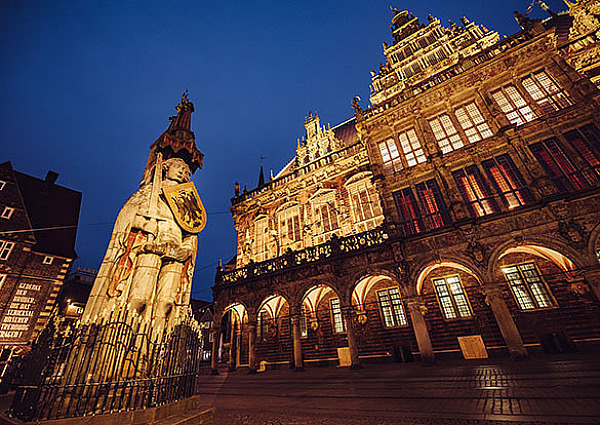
[{"x": 176, "y": 169}]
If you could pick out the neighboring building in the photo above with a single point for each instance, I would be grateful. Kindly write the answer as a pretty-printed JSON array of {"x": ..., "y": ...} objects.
[
  {"x": 38, "y": 226},
  {"x": 203, "y": 313},
  {"x": 75, "y": 293},
  {"x": 483, "y": 155}
]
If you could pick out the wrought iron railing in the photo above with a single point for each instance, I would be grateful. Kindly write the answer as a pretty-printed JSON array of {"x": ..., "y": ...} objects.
[
  {"x": 118, "y": 364},
  {"x": 335, "y": 246}
]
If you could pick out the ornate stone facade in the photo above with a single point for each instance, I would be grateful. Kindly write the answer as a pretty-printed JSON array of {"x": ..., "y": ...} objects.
[{"x": 485, "y": 164}]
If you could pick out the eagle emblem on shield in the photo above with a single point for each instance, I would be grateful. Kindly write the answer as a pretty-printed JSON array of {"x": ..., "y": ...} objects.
[{"x": 185, "y": 203}]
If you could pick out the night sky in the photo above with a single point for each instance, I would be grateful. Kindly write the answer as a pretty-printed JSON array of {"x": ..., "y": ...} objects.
[{"x": 87, "y": 86}]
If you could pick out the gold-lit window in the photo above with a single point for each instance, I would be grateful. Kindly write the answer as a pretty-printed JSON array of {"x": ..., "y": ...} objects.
[
  {"x": 527, "y": 286},
  {"x": 2, "y": 280},
  {"x": 411, "y": 147},
  {"x": 445, "y": 133},
  {"x": 260, "y": 239},
  {"x": 289, "y": 227},
  {"x": 546, "y": 92},
  {"x": 473, "y": 123},
  {"x": 452, "y": 297},
  {"x": 392, "y": 310},
  {"x": 365, "y": 207},
  {"x": 513, "y": 105},
  {"x": 5, "y": 249},
  {"x": 262, "y": 325},
  {"x": 337, "y": 320},
  {"x": 390, "y": 156}
]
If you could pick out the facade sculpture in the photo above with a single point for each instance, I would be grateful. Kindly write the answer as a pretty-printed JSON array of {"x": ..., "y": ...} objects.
[
  {"x": 481, "y": 157},
  {"x": 150, "y": 259}
]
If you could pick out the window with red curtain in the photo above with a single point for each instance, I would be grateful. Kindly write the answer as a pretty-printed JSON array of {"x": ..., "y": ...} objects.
[
  {"x": 586, "y": 140},
  {"x": 434, "y": 214},
  {"x": 558, "y": 165},
  {"x": 507, "y": 181},
  {"x": 475, "y": 192},
  {"x": 410, "y": 220}
]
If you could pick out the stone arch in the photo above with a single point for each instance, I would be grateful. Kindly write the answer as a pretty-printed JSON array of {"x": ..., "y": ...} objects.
[
  {"x": 426, "y": 269},
  {"x": 593, "y": 245},
  {"x": 273, "y": 304},
  {"x": 239, "y": 309},
  {"x": 367, "y": 281}
]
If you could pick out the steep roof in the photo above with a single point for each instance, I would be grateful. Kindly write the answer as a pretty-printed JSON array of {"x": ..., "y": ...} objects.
[{"x": 51, "y": 205}]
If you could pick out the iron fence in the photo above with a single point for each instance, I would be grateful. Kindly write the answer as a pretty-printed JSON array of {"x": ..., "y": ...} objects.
[{"x": 119, "y": 363}]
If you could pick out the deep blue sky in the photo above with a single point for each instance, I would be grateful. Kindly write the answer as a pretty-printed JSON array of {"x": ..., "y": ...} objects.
[{"x": 87, "y": 86}]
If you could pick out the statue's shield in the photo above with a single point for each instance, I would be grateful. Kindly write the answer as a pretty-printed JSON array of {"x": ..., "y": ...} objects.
[{"x": 186, "y": 206}]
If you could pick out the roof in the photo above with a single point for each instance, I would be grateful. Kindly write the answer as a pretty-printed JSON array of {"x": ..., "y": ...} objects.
[{"x": 51, "y": 205}]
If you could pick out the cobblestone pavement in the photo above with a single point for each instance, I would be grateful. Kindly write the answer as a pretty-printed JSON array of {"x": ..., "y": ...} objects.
[{"x": 552, "y": 390}]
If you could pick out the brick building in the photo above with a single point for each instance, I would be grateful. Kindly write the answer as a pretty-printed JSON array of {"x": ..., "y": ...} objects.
[
  {"x": 34, "y": 262},
  {"x": 458, "y": 214}
]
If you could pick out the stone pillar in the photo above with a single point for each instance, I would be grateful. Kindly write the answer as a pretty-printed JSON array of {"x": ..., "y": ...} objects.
[
  {"x": 298, "y": 362},
  {"x": 251, "y": 347},
  {"x": 593, "y": 279},
  {"x": 505, "y": 322},
  {"x": 354, "y": 360},
  {"x": 214, "y": 361},
  {"x": 417, "y": 309}
]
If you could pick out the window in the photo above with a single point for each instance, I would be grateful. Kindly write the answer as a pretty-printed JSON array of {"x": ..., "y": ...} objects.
[
  {"x": 558, "y": 165},
  {"x": 513, "y": 105},
  {"x": 2, "y": 184},
  {"x": 303, "y": 322},
  {"x": 433, "y": 207},
  {"x": 2, "y": 280},
  {"x": 365, "y": 207},
  {"x": 289, "y": 226},
  {"x": 548, "y": 95},
  {"x": 472, "y": 123},
  {"x": 476, "y": 194},
  {"x": 392, "y": 310},
  {"x": 445, "y": 133},
  {"x": 452, "y": 298},
  {"x": 337, "y": 321},
  {"x": 47, "y": 260},
  {"x": 328, "y": 217},
  {"x": 261, "y": 237},
  {"x": 586, "y": 140},
  {"x": 5, "y": 249},
  {"x": 7, "y": 213},
  {"x": 507, "y": 181},
  {"x": 390, "y": 156},
  {"x": 411, "y": 147},
  {"x": 410, "y": 220},
  {"x": 528, "y": 287},
  {"x": 262, "y": 323}
]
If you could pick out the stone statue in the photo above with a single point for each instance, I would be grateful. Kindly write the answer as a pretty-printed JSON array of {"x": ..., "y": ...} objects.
[{"x": 149, "y": 262}]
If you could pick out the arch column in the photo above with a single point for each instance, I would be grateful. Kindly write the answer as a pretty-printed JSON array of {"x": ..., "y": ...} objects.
[
  {"x": 214, "y": 360},
  {"x": 505, "y": 322},
  {"x": 351, "y": 335},
  {"x": 593, "y": 278},
  {"x": 417, "y": 310},
  {"x": 252, "y": 346},
  {"x": 295, "y": 317}
]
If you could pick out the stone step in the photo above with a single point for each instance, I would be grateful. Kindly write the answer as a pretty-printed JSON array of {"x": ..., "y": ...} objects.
[{"x": 190, "y": 418}]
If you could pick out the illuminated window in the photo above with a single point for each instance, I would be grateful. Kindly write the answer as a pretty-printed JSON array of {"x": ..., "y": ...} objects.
[
  {"x": 390, "y": 156},
  {"x": 474, "y": 191},
  {"x": 289, "y": 227},
  {"x": 411, "y": 147},
  {"x": 410, "y": 220},
  {"x": 527, "y": 286},
  {"x": 5, "y": 249},
  {"x": 433, "y": 208},
  {"x": 559, "y": 166},
  {"x": 548, "y": 95},
  {"x": 325, "y": 216},
  {"x": 7, "y": 213},
  {"x": 47, "y": 260},
  {"x": 303, "y": 322},
  {"x": 261, "y": 237},
  {"x": 262, "y": 324},
  {"x": 2, "y": 280},
  {"x": 586, "y": 140},
  {"x": 445, "y": 133},
  {"x": 392, "y": 310},
  {"x": 513, "y": 105},
  {"x": 2, "y": 184},
  {"x": 337, "y": 321},
  {"x": 472, "y": 122},
  {"x": 507, "y": 181},
  {"x": 328, "y": 217},
  {"x": 452, "y": 298},
  {"x": 365, "y": 207}
]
